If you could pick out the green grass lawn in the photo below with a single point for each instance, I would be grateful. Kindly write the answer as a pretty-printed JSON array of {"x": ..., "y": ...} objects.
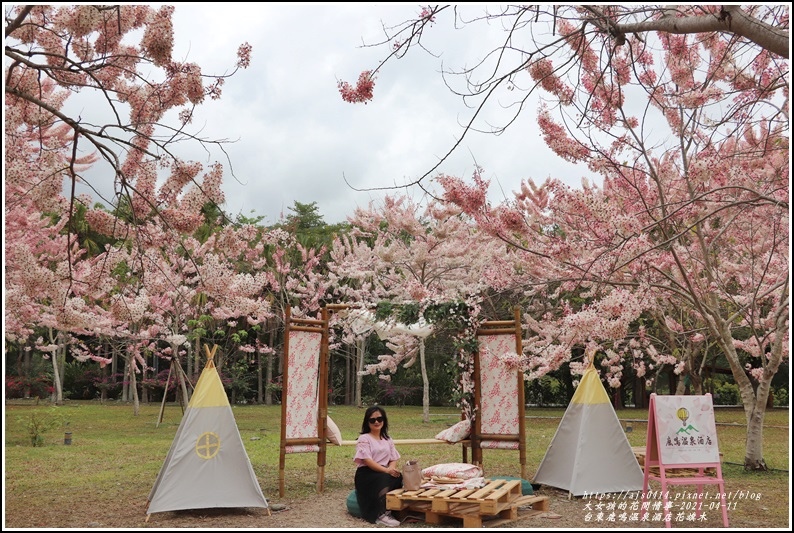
[{"x": 115, "y": 455}]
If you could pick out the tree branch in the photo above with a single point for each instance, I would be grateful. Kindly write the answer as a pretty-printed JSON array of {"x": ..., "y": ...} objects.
[{"x": 732, "y": 20}]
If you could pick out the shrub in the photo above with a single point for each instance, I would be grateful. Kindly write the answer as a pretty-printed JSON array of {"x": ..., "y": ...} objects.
[
  {"x": 157, "y": 385},
  {"x": 86, "y": 381},
  {"x": 391, "y": 394},
  {"x": 111, "y": 384},
  {"x": 274, "y": 389},
  {"x": 726, "y": 393},
  {"x": 546, "y": 390},
  {"x": 25, "y": 387},
  {"x": 442, "y": 384},
  {"x": 780, "y": 397},
  {"x": 39, "y": 422},
  {"x": 239, "y": 381},
  {"x": 79, "y": 379}
]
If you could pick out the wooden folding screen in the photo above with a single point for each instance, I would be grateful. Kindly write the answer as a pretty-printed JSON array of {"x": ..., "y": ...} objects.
[
  {"x": 304, "y": 392},
  {"x": 499, "y": 421}
]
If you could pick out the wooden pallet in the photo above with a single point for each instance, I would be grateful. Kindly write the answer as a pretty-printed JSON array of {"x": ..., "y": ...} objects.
[{"x": 498, "y": 502}]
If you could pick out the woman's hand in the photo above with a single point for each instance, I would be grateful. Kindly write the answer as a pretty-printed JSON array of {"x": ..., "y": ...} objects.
[{"x": 392, "y": 471}]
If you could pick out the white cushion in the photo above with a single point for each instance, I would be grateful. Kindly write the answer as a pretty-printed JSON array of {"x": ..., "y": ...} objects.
[
  {"x": 456, "y": 433},
  {"x": 332, "y": 432},
  {"x": 453, "y": 471}
]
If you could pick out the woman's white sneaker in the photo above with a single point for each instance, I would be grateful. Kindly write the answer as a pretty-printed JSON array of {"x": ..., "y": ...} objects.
[{"x": 387, "y": 520}]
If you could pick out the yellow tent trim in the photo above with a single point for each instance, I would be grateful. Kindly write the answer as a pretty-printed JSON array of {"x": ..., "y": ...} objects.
[
  {"x": 209, "y": 391},
  {"x": 590, "y": 390}
]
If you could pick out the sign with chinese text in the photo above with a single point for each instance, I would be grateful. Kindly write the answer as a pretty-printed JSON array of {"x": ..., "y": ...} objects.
[{"x": 684, "y": 431}]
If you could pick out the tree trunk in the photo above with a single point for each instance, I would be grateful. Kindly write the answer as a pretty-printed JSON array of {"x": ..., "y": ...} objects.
[
  {"x": 329, "y": 380},
  {"x": 184, "y": 398},
  {"x": 260, "y": 379},
  {"x": 753, "y": 400},
  {"x": 144, "y": 388},
  {"x": 269, "y": 368},
  {"x": 260, "y": 384},
  {"x": 136, "y": 405},
  {"x": 348, "y": 381},
  {"x": 196, "y": 360},
  {"x": 697, "y": 384},
  {"x": 57, "y": 395},
  {"x": 691, "y": 380},
  {"x": 672, "y": 381},
  {"x": 425, "y": 383},
  {"x": 62, "y": 349},
  {"x": 753, "y": 457},
  {"x": 25, "y": 371},
  {"x": 359, "y": 369},
  {"x": 219, "y": 360},
  {"x": 125, "y": 383},
  {"x": 114, "y": 362},
  {"x": 103, "y": 393},
  {"x": 681, "y": 387},
  {"x": 56, "y": 378},
  {"x": 189, "y": 358}
]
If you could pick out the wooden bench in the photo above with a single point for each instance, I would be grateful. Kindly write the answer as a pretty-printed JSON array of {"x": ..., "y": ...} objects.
[{"x": 398, "y": 442}]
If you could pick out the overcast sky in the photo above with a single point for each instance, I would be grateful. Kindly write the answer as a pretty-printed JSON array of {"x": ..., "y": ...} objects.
[{"x": 297, "y": 140}]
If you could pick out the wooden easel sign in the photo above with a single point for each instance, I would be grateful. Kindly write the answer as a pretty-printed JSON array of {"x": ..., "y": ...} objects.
[
  {"x": 682, "y": 444},
  {"x": 685, "y": 431}
]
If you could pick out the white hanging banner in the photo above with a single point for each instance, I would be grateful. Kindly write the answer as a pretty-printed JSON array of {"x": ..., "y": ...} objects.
[{"x": 420, "y": 330}]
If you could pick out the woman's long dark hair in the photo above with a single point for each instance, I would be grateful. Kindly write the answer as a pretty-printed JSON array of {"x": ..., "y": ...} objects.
[{"x": 384, "y": 430}]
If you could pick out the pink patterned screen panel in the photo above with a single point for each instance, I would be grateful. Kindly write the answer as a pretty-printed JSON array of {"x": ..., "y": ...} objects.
[
  {"x": 301, "y": 397},
  {"x": 498, "y": 391}
]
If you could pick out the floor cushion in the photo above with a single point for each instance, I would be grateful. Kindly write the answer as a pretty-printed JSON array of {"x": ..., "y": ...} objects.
[{"x": 352, "y": 504}]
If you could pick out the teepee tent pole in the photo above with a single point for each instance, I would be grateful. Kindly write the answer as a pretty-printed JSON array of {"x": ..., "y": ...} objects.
[{"x": 165, "y": 394}]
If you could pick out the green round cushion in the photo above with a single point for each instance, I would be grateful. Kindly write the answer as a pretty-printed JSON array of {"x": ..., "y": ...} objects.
[
  {"x": 352, "y": 504},
  {"x": 526, "y": 486}
]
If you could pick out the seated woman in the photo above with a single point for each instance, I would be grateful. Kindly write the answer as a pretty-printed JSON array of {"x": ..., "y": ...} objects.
[{"x": 377, "y": 472}]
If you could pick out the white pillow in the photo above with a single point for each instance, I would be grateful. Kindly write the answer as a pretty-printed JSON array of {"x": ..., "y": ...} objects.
[
  {"x": 332, "y": 432},
  {"x": 453, "y": 471},
  {"x": 456, "y": 433}
]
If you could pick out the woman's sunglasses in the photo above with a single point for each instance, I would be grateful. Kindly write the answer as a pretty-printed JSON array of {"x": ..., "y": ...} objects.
[{"x": 375, "y": 419}]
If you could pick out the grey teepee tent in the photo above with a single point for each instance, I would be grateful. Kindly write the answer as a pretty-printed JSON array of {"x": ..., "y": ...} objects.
[
  {"x": 590, "y": 452},
  {"x": 207, "y": 465}
]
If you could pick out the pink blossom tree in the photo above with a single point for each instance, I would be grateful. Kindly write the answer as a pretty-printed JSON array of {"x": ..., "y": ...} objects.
[
  {"x": 173, "y": 280},
  {"x": 402, "y": 252},
  {"x": 54, "y": 52},
  {"x": 697, "y": 220},
  {"x": 679, "y": 113},
  {"x": 54, "y": 289},
  {"x": 53, "y": 293},
  {"x": 295, "y": 277},
  {"x": 244, "y": 292}
]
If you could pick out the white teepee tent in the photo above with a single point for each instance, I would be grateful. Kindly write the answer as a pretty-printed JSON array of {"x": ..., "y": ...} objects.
[
  {"x": 207, "y": 465},
  {"x": 590, "y": 452}
]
